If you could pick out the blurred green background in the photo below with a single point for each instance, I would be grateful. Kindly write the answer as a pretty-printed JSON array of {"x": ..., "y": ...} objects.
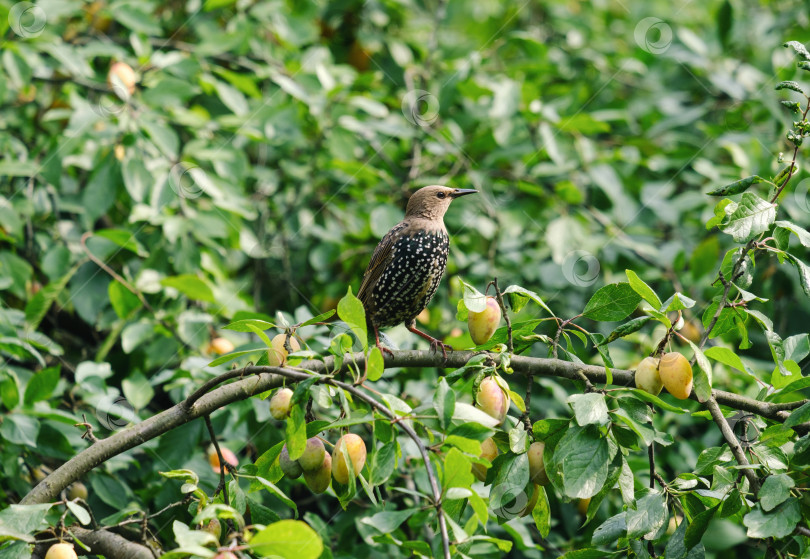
[{"x": 267, "y": 146}]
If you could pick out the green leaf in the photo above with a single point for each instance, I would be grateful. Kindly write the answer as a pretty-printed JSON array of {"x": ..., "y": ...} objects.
[
  {"x": 479, "y": 507},
  {"x": 589, "y": 408},
  {"x": 703, "y": 374},
  {"x": 634, "y": 424},
  {"x": 320, "y": 318},
  {"x": 444, "y": 402},
  {"x": 643, "y": 289},
  {"x": 137, "y": 390},
  {"x": 375, "y": 364},
  {"x": 749, "y": 218},
  {"x": 581, "y": 457},
  {"x": 798, "y": 416},
  {"x": 612, "y": 302},
  {"x": 677, "y": 302},
  {"x": 20, "y": 521},
  {"x": 775, "y": 491},
  {"x": 541, "y": 513},
  {"x": 382, "y": 464},
  {"x": 518, "y": 438},
  {"x": 235, "y": 354},
  {"x": 629, "y": 327},
  {"x": 37, "y": 307},
  {"x": 791, "y": 85},
  {"x": 719, "y": 213},
  {"x": 191, "y": 286},
  {"x": 511, "y": 478},
  {"x": 648, "y": 516},
  {"x": 802, "y": 233},
  {"x": 296, "y": 432},
  {"x": 736, "y": 187},
  {"x": 289, "y": 539},
  {"x": 457, "y": 470},
  {"x": 710, "y": 457},
  {"x": 778, "y": 523},
  {"x": 123, "y": 301},
  {"x": 351, "y": 311},
  {"x": 657, "y": 401},
  {"x": 124, "y": 239},
  {"x": 698, "y": 527},
  {"x": 517, "y": 292},
  {"x": 386, "y": 522},
  {"x": 474, "y": 300},
  {"x": 20, "y": 429},
  {"x": 610, "y": 530},
  {"x": 804, "y": 273},
  {"x": 780, "y": 380},
  {"x": 41, "y": 385},
  {"x": 248, "y": 325},
  {"x": 9, "y": 390},
  {"x": 79, "y": 512},
  {"x": 799, "y": 49},
  {"x": 727, "y": 357},
  {"x": 522, "y": 335}
]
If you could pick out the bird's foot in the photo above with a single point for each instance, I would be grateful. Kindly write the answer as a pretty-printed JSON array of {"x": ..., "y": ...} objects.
[
  {"x": 435, "y": 344},
  {"x": 385, "y": 350}
]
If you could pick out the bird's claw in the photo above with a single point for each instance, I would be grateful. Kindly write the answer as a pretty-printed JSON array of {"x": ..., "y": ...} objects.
[{"x": 435, "y": 344}]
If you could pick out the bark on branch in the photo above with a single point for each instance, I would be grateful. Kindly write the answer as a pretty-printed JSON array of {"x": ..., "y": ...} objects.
[
  {"x": 260, "y": 379},
  {"x": 101, "y": 542}
]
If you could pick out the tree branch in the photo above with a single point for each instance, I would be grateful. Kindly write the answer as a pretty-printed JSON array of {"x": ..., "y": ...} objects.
[
  {"x": 101, "y": 542},
  {"x": 734, "y": 444},
  {"x": 266, "y": 378}
]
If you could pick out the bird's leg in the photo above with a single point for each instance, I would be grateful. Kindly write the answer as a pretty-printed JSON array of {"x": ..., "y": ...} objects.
[
  {"x": 435, "y": 343},
  {"x": 381, "y": 347}
]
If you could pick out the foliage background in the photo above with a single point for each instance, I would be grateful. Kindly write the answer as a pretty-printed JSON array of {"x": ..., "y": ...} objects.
[{"x": 270, "y": 144}]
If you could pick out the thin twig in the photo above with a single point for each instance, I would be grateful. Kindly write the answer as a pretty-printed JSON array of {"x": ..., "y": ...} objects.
[
  {"x": 434, "y": 484},
  {"x": 589, "y": 387},
  {"x": 733, "y": 443},
  {"x": 88, "y": 430},
  {"x": 120, "y": 279},
  {"x": 222, "y": 463},
  {"x": 792, "y": 169}
]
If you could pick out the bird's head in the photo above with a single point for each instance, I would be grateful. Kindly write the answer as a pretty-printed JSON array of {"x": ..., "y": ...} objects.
[{"x": 431, "y": 202}]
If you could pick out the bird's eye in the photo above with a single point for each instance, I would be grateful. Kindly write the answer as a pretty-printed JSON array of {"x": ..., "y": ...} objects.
[{"x": 441, "y": 195}]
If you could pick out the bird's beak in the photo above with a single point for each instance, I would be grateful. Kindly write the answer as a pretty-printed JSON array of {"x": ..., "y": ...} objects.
[{"x": 462, "y": 192}]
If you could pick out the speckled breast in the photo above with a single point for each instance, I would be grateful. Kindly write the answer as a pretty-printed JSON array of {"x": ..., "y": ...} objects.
[{"x": 409, "y": 282}]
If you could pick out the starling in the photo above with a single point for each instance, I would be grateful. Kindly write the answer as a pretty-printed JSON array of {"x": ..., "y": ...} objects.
[{"x": 408, "y": 264}]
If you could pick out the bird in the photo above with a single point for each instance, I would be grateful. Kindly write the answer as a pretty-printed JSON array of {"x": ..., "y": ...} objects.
[{"x": 408, "y": 264}]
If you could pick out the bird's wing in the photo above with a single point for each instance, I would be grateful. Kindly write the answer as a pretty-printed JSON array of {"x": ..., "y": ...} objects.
[{"x": 379, "y": 260}]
